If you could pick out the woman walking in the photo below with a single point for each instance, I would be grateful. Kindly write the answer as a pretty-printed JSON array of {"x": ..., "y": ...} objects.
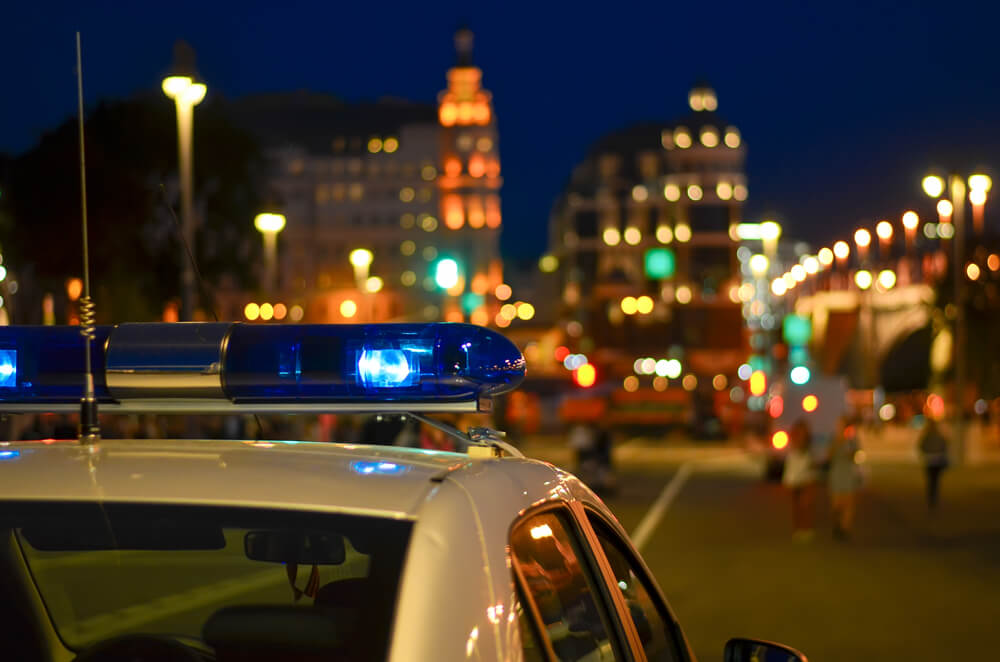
[
  {"x": 845, "y": 478},
  {"x": 934, "y": 448},
  {"x": 800, "y": 477}
]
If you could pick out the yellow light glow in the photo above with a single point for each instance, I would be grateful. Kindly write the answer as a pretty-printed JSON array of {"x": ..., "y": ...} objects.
[
  {"x": 977, "y": 197},
  {"x": 74, "y": 288},
  {"x": 887, "y": 279},
  {"x": 972, "y": 271},
  {"x": 709, "y": 100},
  {"x": 612, "y": 237},
  {"x": 266, "y": 311},
  {"x": 503, "y": 291},
  {"x": 408, "y": 278},
  {"x": 980, "y": 183},
  {"x": 732, "y": 137},
  {"x": 769, "y": 230},
  {"x": 759, "y": 264},
  {"x": 863, "y": 279},
  {"x": 945, "y": 208},
  {"x": 479, "y": 317},
  {"x": 933, "y": 185},
  {"x": 780, "y": 440},
  {"x": 640, "y": 193},
  {"x": 911, "y": 220},
  {"x": 269, "y": 222},
  {"x": 734, "y": 293},
  {"x": 740, "y": 192},
  {"x": 682, "y": 232},
  {"x": 672, "y": 192},
  {"x": 348, "y": 308},
  {"x": 825, "y": 256},
  {"x": 644, "y": 305},
  {"x": 696, "y": 101},
  {"x": 799, "y": 273},
  {"x": 945, "y": 230},
  {"x": 548, "y": 263},
  {"x": 251, "y": 311},
  {"x": 541, "y": 531},
  {"x": 631, "y": 384},
  {"x": 406, "y": 194},
  {"x": 683, "y": 294},
  {"x": 632, "y": 236},
  {"x": 778, "y": 287},
  {"x": 525, "y": 311},
  {"x": 862, "y": 238},
  {"x": 810, "y": 403},
  {"x": 375, "y": 145},
  {"x": 280, "y": 311},
  {"x": 390, "y": 145},
  {"x": 758, "y": 382},
  {"x": 709, "y": 137},
  {"x": 682, "y": 138},
  {"x": 884, "y": 230},
  {"x": 694, "y": 192},
  {"x": 296, "y": 313},
  {"x": 629, "y": 305},
  {"x": 746, "y": 292},
  {"x": 811, "y": 265},
  {"x": 993, "y": 262},
  {"x": 719, "y": 382},
  {"x": 664, "y": 234},
  {"x": 841, "y": 250},
  {"x": 175, "y": 86},
  {"x": 361, "y": 257},
  {"x": 373, "y": 284},
  {"x": 724, "y": 190},
  {"x": 501, "y": 321},
  {"x": 789, "y": 279},
  {"x": 408, "y": 247},
  {"x": 508, "y": 311}
]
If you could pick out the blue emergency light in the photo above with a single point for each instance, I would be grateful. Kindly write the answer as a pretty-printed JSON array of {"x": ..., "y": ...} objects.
[{"x": 220, "y": 367}]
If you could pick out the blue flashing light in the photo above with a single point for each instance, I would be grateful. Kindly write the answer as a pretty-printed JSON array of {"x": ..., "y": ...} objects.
[
  {"x": 388, "y": 368},
  {"x": 379, "y": 468},
  {"x": 271, "y": 365},
  {"x": 9, "y": 455},
  {"x": 8, "y": 368}
]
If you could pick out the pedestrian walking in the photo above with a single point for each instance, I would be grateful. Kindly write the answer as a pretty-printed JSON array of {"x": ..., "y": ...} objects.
[
  {"x": 800, "y": 476},
  {"x": 845, "y": 477},
  {"x": 933, "y": 447}
]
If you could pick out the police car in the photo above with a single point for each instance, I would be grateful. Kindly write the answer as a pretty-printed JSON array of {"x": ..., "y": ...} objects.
[{"x": 170, "y": 549}]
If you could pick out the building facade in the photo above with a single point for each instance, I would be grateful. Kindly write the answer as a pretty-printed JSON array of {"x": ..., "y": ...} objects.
[
  {"x": 647, "y": 253},
  {"x": 412, "y": 186}
]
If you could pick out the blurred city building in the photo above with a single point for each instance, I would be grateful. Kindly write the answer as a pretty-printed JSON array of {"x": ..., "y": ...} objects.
[
  {"x": 392, "y": 207},
  {"x": 647, "y": 259}
]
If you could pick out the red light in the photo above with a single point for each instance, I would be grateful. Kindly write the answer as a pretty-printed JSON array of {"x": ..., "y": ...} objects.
[
  {"x": 776, "y": 406},
  {"x": 780, "y": 439},
  {"x": 585, "y": 375},
  {"x": 561, "y": 353},
  {"x": 810, "y": 403}
]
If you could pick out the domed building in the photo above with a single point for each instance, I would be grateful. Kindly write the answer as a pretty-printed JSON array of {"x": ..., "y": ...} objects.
[{"x": 648, "y": 267}]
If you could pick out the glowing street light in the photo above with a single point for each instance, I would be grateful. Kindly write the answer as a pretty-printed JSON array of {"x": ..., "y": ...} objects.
[
  {"x": 269, "y": 225},
  {"x": 759, "y": 265},
  {"x": 979, "y": 186},
  {"x": 186, "y": 94},
  {"x": 863, "y": 279},
  {"x": 933, "y": 185},
  {"x": 841, "y": 250},
  {"x": 887, "y": 279},
  {"x": 945, "y": 209},
  {"x": 862, "y": 239}
]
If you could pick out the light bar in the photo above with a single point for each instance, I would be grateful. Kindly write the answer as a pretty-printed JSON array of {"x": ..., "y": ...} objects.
[{"x": 232, "y": 367}]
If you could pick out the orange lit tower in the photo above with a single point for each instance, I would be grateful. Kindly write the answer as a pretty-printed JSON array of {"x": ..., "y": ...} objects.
[{"x": 470, "y": 183}]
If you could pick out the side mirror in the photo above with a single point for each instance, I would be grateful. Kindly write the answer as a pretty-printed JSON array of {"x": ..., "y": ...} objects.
[
  {"x": 755, "y": 650},
  {"x": 302, "y": 547}
]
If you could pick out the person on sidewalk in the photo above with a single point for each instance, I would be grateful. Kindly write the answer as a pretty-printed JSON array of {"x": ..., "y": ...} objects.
[
  {"x": 845, "y": 477},
  {"x": 933, "y": 447},
  {"x": 800, "y": 476}
]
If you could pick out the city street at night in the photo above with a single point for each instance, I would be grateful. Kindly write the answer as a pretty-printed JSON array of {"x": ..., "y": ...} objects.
[{"x": 908, "y": 586}]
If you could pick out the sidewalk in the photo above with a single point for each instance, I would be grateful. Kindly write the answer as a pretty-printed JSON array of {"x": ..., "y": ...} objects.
[{"x": 897, "y": 444}]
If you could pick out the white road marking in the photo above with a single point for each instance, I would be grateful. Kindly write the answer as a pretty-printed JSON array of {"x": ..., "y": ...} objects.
[{"x": 659, "y": 508}]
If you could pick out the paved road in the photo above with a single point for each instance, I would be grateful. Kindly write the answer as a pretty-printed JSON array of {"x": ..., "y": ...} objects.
[{"x": 908, "y": 586}]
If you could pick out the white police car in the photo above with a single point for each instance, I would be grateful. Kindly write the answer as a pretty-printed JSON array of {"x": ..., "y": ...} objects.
[{"x": 189, "y": 550}]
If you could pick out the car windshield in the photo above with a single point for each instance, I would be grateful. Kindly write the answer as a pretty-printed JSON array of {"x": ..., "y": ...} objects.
[{"x": 218, "y": 574}]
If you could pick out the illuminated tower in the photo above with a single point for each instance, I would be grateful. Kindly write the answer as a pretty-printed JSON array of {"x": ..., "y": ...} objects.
[{"x": 469, "y": 186}]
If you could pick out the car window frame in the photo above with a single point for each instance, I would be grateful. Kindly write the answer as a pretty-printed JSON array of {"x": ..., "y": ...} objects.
[
  {"x": 648, "y": 581},
  {"x": 622, "y": 633}
]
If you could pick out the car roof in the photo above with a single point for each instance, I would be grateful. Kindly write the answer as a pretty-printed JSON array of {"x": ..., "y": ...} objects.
[{"x": 384, "y": 481}]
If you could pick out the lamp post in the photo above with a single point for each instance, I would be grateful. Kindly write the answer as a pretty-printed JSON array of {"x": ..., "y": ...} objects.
[
  {"x": 269, "y": 225},
  {"x": 979, "y": 186},
  {"x": 186, "y": 95}
]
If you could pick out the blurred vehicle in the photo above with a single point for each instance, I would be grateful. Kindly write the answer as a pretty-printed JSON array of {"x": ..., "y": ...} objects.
[{"x": 175, "y": 549}]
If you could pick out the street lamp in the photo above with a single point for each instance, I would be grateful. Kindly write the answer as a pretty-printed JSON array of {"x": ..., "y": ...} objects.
[
  {"x": 863, "y": 239},
  {"x": 186, "y": 95},
  {"x": 979, "y": 186},
  {"x": 884, "y": 232},
  {"x": 269, "y": 225}
]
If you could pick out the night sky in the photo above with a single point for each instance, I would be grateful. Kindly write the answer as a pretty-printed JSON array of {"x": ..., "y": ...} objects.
[{"x": 843, "y": 106}]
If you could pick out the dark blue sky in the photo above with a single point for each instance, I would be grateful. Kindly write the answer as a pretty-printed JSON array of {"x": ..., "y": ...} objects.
[{"x": 842, "y": 105}]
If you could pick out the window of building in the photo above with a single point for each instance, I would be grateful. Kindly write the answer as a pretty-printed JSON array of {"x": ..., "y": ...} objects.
[
  {"x": 356, "y": 191},
  {"x": 649, "y": 165},
  {"x": 354, "y": 166},
  {"x": 586, "y": 224},
  {"x": 339, "y": 144},
  {"x": 484, "y": 144},
  {"x": 608, "y": 165},
  {"x": 296, "y": 166},
  {"x": 566, "y": 597},
  {"x": 464, "y": 142},
  {"x": 338, "y": 191},
  {"x": 709, "y": 218}
]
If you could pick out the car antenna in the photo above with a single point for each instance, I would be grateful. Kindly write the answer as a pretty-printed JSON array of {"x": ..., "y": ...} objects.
[{"x": 90, "y": 429}]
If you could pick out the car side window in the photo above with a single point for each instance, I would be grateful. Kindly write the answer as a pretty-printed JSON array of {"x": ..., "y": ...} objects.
[
  {"x": 657, "y": 636},
  {"x": 559, "y": 583}
]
